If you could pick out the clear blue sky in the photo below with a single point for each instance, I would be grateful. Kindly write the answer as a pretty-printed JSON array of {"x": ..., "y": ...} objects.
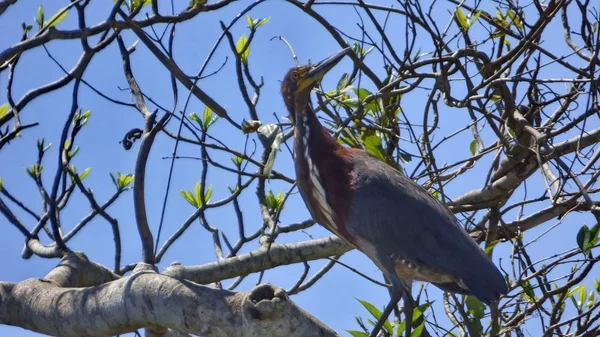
[{"x": 333, "y": 298}]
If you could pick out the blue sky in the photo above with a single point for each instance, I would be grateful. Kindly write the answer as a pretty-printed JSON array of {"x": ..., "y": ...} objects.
[{"x": 333, "y": 298}]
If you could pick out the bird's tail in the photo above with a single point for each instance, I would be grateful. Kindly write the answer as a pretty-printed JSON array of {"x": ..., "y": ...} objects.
[{"x": 487, "y": 284}]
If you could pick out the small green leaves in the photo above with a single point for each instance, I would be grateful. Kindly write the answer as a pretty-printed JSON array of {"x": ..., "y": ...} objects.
[
  {"x": 4, "y": 109},
  {"x": 194, "y": 3},
  {"x": 56, "y": 18},
  {"x": 85, "y": 173},
  {"x": 473, "y": 147},
  {"x": 237, "y": 161},
  {"x": 35, "y": 171},
  {"x": 355, "y": 333},
  {"x": 255, "y": 23},
  {"x": 376, "y": 313},
  {"x": 344, "y": 82},
  {"x": 1, "y": 187},
  {"x": 528, "y": 290},
  {"x": 82, "y": 118},
  {"x": 464, "y": 21},
  {"x": 491, "y": 246},
  {"x": 195, "y": 199},
  {"x": 122, "y": 181},
  {"x": 514, "y": 19},
  {"x": 275, "y": 203},
  {"x": 40, "y": 17},
  {"x": 209, "y": 118},
  {"x": 40, "y": 145},
  {"x": 243, "y": 48},
  {"x": 462, "y": 18},
  {"x": 475, "y": 307},
  {"x": 588, "y": 238},
  {"x": 372, "y": 141},
  {"x": 578, "y": 296}
]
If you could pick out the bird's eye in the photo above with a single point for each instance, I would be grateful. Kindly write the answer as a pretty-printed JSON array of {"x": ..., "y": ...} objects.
[{"x": 295, "y": 75}]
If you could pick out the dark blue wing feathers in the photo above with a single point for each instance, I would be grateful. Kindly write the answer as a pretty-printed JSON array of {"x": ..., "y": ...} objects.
[{"x": 399, "y": 216}]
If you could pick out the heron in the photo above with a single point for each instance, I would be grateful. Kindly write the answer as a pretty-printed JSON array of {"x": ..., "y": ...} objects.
[{"x": 398, "y": 224}]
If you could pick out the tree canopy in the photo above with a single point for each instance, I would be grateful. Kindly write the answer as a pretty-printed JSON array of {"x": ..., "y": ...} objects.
[{"x": 146, "y": 150}]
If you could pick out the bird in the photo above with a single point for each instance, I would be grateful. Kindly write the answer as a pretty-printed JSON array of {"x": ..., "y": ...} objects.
[{"x": 398, "y": 224}]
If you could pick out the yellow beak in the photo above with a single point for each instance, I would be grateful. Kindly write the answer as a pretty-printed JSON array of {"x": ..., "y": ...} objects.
[{"x": 318, "y": 71}]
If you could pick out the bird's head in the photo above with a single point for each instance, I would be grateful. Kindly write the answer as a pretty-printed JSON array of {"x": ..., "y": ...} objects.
[{"x": 299, "y": 81}]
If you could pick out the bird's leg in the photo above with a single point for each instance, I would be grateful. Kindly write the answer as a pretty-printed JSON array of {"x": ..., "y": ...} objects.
[
  {"x": 408, "y": 312},
  {"x": 396, "y": 311},
  {"x": 395, "y": 295}
]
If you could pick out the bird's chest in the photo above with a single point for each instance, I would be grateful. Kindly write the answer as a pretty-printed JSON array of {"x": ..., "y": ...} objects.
[
  {"x": 312, "y": 186},
  {"x": 320, "y": 180}
]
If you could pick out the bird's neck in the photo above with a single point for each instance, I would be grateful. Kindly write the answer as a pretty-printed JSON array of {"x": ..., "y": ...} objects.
[{"x": 311, "y": 136}]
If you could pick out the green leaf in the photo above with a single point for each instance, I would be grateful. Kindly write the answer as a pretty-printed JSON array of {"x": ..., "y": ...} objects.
[
  {"x": 74, "y": 152},
  {"x": 122, "y": 181},
  {"x": 271, "y": 202},
  {"x": 476, "y": 308},
  {"x": 250, "y": 21},
  {"x": 40, "y": 16},
  {"x": 582, "y": 297},
  {"x": 475, "y": 327},
  {"x": 376, "y": 313},
  {"x": 112, "y": 177},
  {"x": 514, "y": 19},
  {"x": 355, "y": 333},
  {"x": 125, "y": 180},
  {"x": 237, "y": 161},
  {"x": 362, "y": 94},
  {"x": 473, "y": 147},
  {"x": 197, "y": 192},
  {"x": 57, "y": 18},
  {"x": 462, "y": 19},
  {"x": 3, "y": 109},
  {"x": 418, "y": 331},
  {"x": 583, "y": 238},
  {"x": 209, "y": 118},
  {"x": 84, "y": 117},
  {"x": 418, "y": 311},
  {"x": 491, "y": 246},
  {"x": 372, "y": 143},
  {"x": 594, "y": 236},
  {"x": 85, "y": 173},
  {"x": 474, "y": 18},
  {"x": 189, "y": 197},
  {"x": 597, "y": 285},
  {"x": 262, "y": 21},
  {"x": 1, "y": 187},
  {"x": 343, "y": 82},
  {"x": 591, "y": 300},
  {"x": 405, "y": 156},
  {"x": 196, "y": 119},
  {"x": 242, "y": 48},
  {"x": 529, "y": 293}
]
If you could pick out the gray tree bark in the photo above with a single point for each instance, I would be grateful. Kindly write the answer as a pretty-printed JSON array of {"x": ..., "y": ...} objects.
[{"x": 82, "y": 298}]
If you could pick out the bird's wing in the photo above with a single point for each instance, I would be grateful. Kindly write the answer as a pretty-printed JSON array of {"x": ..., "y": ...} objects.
[{"x": 395, "y": 214}]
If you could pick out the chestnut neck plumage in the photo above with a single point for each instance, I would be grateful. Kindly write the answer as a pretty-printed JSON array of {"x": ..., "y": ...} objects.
[{"x": 323, "y": 172}]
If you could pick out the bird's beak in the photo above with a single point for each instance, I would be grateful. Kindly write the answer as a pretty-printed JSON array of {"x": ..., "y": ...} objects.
[{"x": 317, "y": 71}]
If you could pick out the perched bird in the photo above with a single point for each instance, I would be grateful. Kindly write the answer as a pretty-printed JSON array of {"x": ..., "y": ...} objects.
[{"x": 405, "y": 231}]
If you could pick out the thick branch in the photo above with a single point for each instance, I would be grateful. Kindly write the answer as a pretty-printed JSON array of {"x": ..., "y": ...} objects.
[
  {"x": 147, "y": 299},
  {"x": 261, "y": 259}
]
